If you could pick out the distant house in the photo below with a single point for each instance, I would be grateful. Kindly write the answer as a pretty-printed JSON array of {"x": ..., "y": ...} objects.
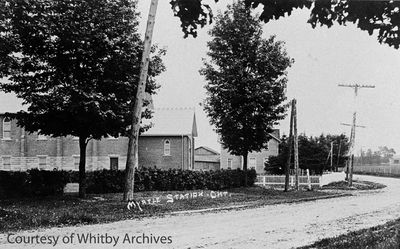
[
  {"x": 206, "y": 159},
  {"x": 256, "y": 160},
  {"x": 168, "y": 144}
]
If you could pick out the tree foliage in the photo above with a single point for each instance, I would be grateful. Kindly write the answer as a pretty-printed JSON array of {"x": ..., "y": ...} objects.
[
  {"x": 382, "y": 155},
  {"x": 380, "y": 16},
  {"x": 246, "y": 81},
  {"x": 313, "y": 153},
  {"x": 75, "y": 64}
]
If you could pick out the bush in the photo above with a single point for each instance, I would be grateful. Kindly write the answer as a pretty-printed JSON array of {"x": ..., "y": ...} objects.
[
  {"x": 42, "y": 183},
  {"x": 151, "y": 179},
  {"x": 33, "y": 182}
]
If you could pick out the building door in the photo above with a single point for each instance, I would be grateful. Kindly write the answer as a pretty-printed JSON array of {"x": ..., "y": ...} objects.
[{"x": 114, "y": 163}]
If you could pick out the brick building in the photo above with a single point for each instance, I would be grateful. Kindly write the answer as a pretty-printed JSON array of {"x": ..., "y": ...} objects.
[
  {"x": 256, "y": 160},
  {"x": 168, "y": 144}
]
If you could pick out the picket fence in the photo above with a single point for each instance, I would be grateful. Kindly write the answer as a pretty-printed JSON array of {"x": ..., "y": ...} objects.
[
  {"x": 315, "y": 180},
  {"x": 379, "y": 169}
]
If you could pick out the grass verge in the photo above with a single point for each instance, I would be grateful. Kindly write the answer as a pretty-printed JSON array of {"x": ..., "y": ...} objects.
[
  {"x": 385, "y": 236},
  {"x": 23, "y": 214},
  {"x": 357, "y": 185}
]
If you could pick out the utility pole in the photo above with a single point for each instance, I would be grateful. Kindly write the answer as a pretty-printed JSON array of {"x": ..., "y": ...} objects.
[
  {"x": 287, "y": 170},
  {"x": 331, "y": 156},
  {"x": 133, "y": 135},
  {"x": 353, "y": 128},
  {"x": 350, "y": 162},
  {"x": 296, "y": 145},
  {"x": 338, "y": 157}
]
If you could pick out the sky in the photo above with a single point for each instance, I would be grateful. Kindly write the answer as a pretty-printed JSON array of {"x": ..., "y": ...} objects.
[{"x": 323, "y": 58}]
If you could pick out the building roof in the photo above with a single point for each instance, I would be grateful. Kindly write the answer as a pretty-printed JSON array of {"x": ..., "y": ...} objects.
[
  {"x": 207, "y": 149},
  {"x": 274, "y": 137},
  {"x": 172, "y": 122}
]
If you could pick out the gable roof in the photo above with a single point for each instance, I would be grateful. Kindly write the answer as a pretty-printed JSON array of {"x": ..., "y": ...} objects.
[
  {"x": 172, "y": 122},
  {"x": 274, "y": 137},
  {"x": 207, "y": 149}
]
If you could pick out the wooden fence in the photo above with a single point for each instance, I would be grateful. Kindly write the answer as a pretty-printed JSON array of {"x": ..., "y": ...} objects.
[
  {"x": 315, "y": 180},
  {"x": 276, "y": 180},
  {"x": 385, "y": 169}
]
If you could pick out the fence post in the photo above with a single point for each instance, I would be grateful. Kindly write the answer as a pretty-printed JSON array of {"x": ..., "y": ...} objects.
[
  {"x": 264, "y": 181},
  {"x": 308, "y": 179}
]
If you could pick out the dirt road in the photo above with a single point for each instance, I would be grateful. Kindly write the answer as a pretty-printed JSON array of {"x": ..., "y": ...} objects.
[{"x": 278, "y": 226}]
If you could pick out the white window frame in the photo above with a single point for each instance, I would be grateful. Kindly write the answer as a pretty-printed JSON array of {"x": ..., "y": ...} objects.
[
  {"x": 114, "y": 156},
  {"x": 255, "y": 162},
  {"x": 231, "y": 162},
  {"x": 3, "y": 163},
  {"x": 45, "y": 158},
  {"x": 76, "y": 159},
  {"x": 167, "y": 147},
  {"x": 9, "y": 129}
]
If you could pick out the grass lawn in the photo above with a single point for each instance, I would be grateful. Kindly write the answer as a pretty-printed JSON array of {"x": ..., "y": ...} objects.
[
  {"x": 21, "y": 214},
  {"x": 357, "y": 185},
  {"x": 386, "y": 236}
]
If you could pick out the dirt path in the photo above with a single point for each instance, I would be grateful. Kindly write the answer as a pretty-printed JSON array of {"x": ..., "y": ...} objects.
[{"x": 278, "y": 226}]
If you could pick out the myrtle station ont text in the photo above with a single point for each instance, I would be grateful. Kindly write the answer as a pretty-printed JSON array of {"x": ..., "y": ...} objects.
[
  {"x": 88, "y": 238},
  {"x": 170, "y": 198}
]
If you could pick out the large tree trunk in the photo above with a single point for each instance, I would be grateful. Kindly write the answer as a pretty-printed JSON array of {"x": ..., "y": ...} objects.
[
  {"x": 82, "y": 167},
  {"x": 245, "y": 168},
  {"x": 137, "y": 108}
]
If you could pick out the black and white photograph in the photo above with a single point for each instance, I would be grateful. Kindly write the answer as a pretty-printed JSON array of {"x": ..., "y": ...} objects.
[{"x": 216, "y": 124}]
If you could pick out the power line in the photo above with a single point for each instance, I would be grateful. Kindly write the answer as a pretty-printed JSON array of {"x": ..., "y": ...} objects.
[{"x": 353, "y": 129}]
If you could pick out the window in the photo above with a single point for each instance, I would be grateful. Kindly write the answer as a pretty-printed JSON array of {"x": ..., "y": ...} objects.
[
  {"x": 396, "y": 161},
  {"x": 114, "y": 163},
  {"x": 252, "y": 162},
  {"x": 76, "y": 162},
  {"x": 229, "y": 163},
  {"x": 42, "y": 161},
  {"x": 7, "y": 162},
  {"x": 167, "y": 148},
  {"x": 6, "y": 128}
]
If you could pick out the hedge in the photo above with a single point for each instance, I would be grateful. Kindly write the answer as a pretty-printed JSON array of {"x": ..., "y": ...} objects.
[{"x": 36, "y": 182}]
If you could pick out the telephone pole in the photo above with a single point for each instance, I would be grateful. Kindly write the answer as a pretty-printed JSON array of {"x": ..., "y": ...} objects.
[
  {"x": 331, "y": 156},
  {"x": 296, "y": 146},
  {"x": 287, "y": 170},
  {"x": 338, "y": 157},
  {"x": 353, "y": 128},
  {"x": 350, "y": 162}
]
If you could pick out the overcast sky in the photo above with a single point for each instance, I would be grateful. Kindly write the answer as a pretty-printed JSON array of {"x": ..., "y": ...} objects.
[{"x": 323, "y": 57}]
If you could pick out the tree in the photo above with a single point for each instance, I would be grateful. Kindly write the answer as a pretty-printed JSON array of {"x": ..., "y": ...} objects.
[
  {"x": 382, "y": 155},
  {"x": 246, "y": 81},
  {"x": 381, "y": 16},
  {"x": 313, "y": 153},
  {"x": 75, "y": 64}
]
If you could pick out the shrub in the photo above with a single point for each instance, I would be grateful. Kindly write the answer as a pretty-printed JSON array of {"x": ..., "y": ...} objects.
[{"x": 42, "y": 183}]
